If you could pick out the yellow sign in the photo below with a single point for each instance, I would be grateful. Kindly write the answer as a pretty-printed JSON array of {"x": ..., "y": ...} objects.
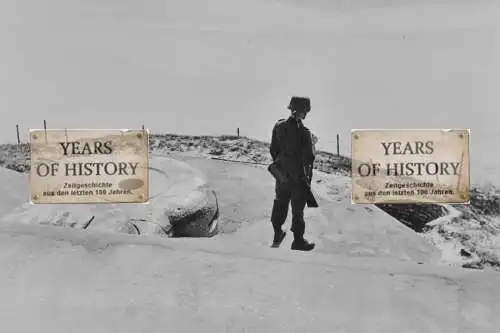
[
  {"x": 89, "y": 166},
  {"x": 410, "y": 166}
]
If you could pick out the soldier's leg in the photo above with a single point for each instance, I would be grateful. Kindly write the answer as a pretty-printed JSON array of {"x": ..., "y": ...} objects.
[
  {"x": 280, "y": 205},
  {"x": 298, "y": 200}
]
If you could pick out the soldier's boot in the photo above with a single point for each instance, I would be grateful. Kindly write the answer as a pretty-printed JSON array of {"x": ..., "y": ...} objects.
[
  {"x": 279, "y": 236},
  {"x": 278, "y": 218},
  {"x": 298, "y": 228},
  {"x": 301, "y": 244}
]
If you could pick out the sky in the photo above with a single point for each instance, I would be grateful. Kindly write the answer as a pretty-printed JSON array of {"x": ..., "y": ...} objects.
[{"x": 209, "y": 67}]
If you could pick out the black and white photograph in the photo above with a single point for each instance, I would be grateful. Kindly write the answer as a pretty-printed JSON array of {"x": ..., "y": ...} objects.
[{"x": 261, "y": 169}]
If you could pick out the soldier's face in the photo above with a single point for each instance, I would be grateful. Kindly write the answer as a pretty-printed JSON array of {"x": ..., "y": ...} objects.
[{"x": 301, "y": 115}]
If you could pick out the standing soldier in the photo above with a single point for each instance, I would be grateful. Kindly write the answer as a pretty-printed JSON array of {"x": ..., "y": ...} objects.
[{"x": 293, "y": 157}]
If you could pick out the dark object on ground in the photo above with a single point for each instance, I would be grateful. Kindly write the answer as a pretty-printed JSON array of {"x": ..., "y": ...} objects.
[
  {"x": 464, "y": 253},
  {"x": 88, "y": 223},
  {"x": 414, "y": 216}
]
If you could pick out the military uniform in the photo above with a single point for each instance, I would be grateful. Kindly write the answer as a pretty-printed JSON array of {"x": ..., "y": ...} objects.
[{"x": 292, "y": 152}]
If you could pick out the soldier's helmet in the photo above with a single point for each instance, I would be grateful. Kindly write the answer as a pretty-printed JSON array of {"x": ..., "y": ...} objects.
[{"x": 300, "y": 104}]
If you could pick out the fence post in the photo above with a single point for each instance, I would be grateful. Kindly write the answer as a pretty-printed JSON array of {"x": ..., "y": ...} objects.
[
  {"x": 338, "y": 146},
  {"x": 238, "y": 132},
  {"x": 17, "y": 130},
  {"x": 45, "y": 129}
]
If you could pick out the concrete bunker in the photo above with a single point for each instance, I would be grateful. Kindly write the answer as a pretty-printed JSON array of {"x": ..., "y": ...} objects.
[{"x": 181, "y": 205}]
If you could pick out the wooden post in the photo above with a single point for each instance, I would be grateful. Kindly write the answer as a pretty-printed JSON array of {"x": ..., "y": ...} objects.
[
  {"x": 45, "y": 129},
  {"x": 17, "y": 130},
  {"x": 238, "y": 132},
  {"x": 338, "y": 146},
  {"x": 144, "y": 135}
]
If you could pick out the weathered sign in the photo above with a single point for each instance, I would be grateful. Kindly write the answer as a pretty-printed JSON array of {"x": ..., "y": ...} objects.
[
  {"x": 410, "y": 166},
  {"x": 89, "y": 166}
]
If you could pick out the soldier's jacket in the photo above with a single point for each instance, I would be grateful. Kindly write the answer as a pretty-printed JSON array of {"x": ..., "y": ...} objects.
[{"x": 292, "y": 149}]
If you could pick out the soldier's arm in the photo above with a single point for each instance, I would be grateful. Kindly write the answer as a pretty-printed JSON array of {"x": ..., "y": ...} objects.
[
  {"x": 274, "y": 148},
  {"x": 309, "y": 155}
]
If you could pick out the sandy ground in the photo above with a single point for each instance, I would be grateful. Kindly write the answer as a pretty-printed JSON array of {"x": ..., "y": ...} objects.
[{"x": 69, "y": 281}]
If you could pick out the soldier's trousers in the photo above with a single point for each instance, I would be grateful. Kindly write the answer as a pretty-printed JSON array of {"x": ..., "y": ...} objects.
[{"x": 294, "y": 192}]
